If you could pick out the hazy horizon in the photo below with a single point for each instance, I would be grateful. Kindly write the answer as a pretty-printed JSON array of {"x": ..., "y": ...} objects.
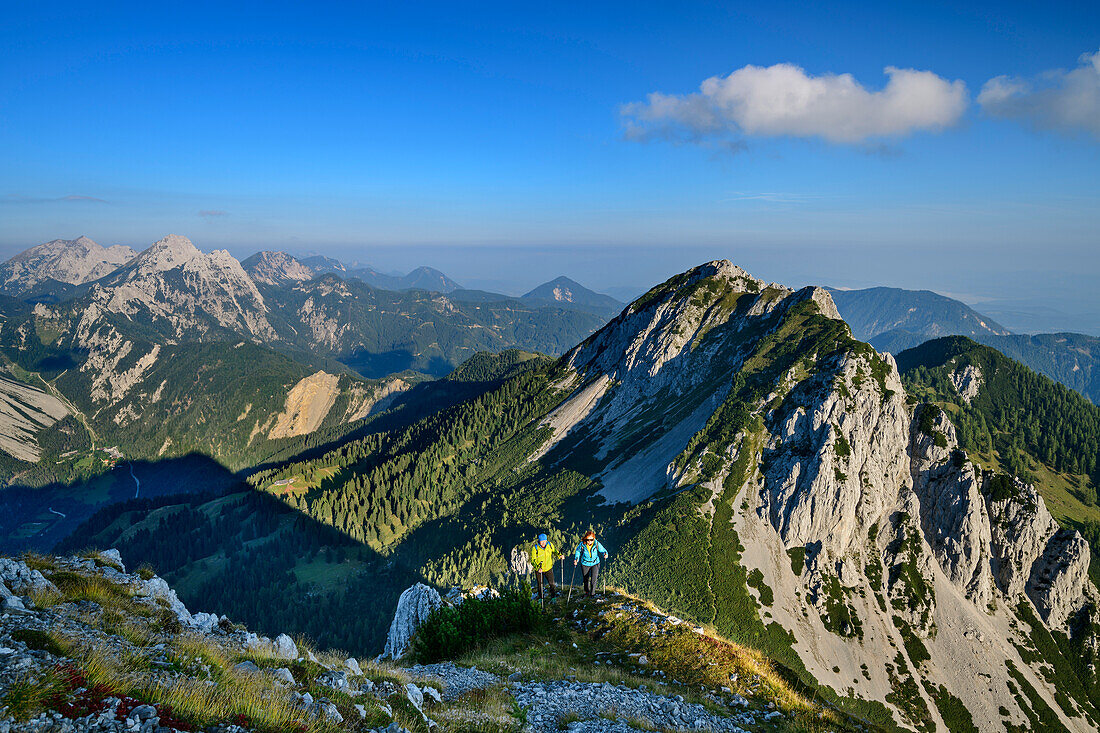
[{"x": 947, "y": 148}]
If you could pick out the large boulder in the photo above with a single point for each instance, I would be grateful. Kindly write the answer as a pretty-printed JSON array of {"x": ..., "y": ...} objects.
[
  {"x": 413, "y": 607},
  {"x": 285, "y": 647}
]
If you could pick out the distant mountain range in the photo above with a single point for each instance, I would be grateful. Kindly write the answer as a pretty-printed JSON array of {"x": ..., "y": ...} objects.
[
  {"x": 893, "y": 320},
  {"x": 172, "y": 352},
  {"x": 422, "y": 278},
  {"x": 60, "y": 266}
]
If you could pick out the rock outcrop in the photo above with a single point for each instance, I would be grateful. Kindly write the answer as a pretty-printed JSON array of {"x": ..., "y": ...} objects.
[
  {"x": 952, "y": 509},
  {"x": 413, "y": 607},
  {"x": 186, "y": 293}
]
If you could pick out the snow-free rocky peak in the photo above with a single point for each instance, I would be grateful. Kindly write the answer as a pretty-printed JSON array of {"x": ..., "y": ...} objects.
[
  {"x": 276, "y": 268},
  {"x": 891, "y": 559},
  {"x": 187, "y": 293},
  {"x": 70, "y": 261}
]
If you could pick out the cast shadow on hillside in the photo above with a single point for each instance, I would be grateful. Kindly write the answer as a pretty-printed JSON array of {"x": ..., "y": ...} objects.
[
  {"x": 376, "y": 365},
  {"x": 258, "y": 560},
  {"x": 37, "y": 518}
]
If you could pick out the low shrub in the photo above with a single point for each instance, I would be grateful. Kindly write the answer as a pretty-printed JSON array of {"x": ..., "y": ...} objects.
[{"x": 450, "y": 632}]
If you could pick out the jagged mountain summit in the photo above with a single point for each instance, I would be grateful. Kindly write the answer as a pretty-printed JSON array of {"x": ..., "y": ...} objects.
[
  {"x": 182, "y": 292},
  {"x": 62, "y": 261}
]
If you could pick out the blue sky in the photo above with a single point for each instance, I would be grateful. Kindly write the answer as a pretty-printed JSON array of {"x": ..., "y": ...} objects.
[{"x": 499, "y": 142}]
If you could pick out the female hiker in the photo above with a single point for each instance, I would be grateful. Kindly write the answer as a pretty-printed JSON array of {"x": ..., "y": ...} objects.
[{"x": 588, "y": 555}]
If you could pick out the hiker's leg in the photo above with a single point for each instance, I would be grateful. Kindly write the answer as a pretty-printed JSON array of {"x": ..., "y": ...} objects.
[
  {"x": 538, "y": 581},
  {"x": 553, "y": 585},
  {"x": 586, "y": 573},
  {"x": 594, "y": 584}
]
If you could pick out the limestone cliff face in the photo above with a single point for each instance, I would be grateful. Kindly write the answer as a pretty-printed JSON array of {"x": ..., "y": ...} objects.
[
  {"x": 953, "y": 510},
  {"x": 187, "y": 293}
]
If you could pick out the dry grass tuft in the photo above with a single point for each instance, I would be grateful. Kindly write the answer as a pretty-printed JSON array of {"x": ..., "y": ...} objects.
[
  {"x": 41, "y": 563},
  {"x": 29, "y": 694},
  {"x": 77, "y": 587}
]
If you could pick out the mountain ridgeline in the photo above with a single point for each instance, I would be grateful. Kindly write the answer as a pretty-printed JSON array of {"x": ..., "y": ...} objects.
[
  {"x": 893, "y": 320},
  {"x": 124, "y": 372},
  {"x": 752, "y": 467}
]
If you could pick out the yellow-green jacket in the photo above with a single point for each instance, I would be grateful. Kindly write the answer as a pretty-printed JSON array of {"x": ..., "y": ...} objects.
[{"x": 542, "y": 558}]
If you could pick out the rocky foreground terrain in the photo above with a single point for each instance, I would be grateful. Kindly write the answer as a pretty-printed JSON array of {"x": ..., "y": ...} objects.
[{"x": 86, "y": 646}]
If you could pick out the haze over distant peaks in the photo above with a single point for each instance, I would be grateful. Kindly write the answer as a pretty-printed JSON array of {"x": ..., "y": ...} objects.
[
  {"x": 563, "y": 290},
  {"x": 876, "y": 311},
  {"x": 70, "y": 261}
]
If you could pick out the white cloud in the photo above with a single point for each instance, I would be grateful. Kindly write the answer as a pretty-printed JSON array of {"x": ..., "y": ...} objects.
[
  {"x": 782, "y": 100},
  {"x": 1068, "y": 101}
]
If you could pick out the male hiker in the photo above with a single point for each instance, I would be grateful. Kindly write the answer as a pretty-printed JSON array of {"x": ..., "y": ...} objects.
[
  {"x": 588, "y": 555},
  {"x": 543, "y": 555}
]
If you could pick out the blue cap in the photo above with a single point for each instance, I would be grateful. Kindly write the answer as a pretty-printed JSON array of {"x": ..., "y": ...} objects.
[{"x": 542, "y": 538}]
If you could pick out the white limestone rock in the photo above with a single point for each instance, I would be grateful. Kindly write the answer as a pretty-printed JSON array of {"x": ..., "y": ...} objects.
[
  {"x": 952, "y": 509},
  {"x": 413, "y": 607},
  {"x": 967, "y": 382},
  {"x": 113, "y": 557},
  {"x": 158, "y": 588},
  {"x": 519, "y": 562},
  {"x": 276, "y": 268},
  {"x": 1059, "y": 578},
  {"x": 20, "y": 579},
  {"x": 285, "y": 648}
]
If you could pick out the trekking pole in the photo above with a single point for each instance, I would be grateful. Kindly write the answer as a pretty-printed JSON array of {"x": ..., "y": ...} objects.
[{"x": 571, "y": 578}]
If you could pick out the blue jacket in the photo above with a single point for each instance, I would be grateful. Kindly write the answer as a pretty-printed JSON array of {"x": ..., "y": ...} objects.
[{"x": 587, "y": 557}]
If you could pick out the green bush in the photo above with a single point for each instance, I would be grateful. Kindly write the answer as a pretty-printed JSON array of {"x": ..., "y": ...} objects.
[{"x": 449, "y": 632}]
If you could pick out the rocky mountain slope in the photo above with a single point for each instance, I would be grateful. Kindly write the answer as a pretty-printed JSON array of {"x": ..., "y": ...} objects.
[
  {"x": 63, "y": 262},
  {"x": 754, "y": 469},
  {"x": 276, "y": 268},
  {"x": 24, "y": 411},
  {"x": 90, "y": 647},
  {"x": 1013, "y": 420}
]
